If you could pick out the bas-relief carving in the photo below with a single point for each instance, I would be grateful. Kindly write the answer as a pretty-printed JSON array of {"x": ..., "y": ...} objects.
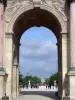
[
  {"x": 13, "y": 5},
  {"x": 58, "y": 5}
]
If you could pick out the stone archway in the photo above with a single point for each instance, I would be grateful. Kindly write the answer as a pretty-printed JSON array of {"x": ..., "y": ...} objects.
[
  {"x": 21, "y": 15},
  {"x": 26, "y": 16}
]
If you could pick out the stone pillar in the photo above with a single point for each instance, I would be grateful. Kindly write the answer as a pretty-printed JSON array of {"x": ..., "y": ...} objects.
[
  {"x": 1, "y": 33},
  {"x": 72, "y": 51},
  {"x": 15, "y": 80},
  {"x": 15, "y": 70},
  {"x": 72, "y": 33},
  {"x": 9, "y": 62},
  {"x": 62, "y": 66},
  {"x": 18, "y": 80},
  {"x": 2, "y": 71},
  {"x": 18, "y": 70},
  {"x": 59, "y": 69}
]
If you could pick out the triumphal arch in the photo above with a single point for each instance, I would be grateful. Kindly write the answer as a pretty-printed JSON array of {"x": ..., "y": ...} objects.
[{"x": 16, "y": 16}]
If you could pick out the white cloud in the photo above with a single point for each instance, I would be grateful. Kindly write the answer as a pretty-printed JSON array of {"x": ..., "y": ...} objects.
[{"x": 38, "y": 55}]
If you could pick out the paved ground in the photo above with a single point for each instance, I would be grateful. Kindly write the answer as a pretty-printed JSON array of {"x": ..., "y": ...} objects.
[{"x": 37, "y": 95}]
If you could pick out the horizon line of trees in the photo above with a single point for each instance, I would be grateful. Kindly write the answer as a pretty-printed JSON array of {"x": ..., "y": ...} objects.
[{"x": 36, "y": 80}]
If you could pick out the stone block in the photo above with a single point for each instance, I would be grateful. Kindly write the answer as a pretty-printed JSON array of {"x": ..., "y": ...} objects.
[{"x": 66, "y": 98}]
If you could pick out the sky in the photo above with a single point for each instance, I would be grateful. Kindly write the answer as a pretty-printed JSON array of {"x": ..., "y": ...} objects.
[{"x": 38, "y": 52}]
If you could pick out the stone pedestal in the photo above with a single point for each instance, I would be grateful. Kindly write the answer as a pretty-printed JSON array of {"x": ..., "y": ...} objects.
[
  {"x": 2, "y": 83},
  {"x": 66, "y": 98},
  {"x": 72, "y": 83}
]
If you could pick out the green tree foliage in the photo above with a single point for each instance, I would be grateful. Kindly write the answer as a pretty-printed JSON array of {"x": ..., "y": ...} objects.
[
  {"x": 27, "y": 79},
  {"x": 47, "y": 81},
  {"x": 33, "y": 80},
  {"x": 21, "y": 80},
  {"x": 52, "y": 78}
]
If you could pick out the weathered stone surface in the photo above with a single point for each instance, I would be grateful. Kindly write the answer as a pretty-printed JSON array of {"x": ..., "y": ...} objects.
[
  {"x": 16, "y": 8},
  {"x": 1, "y": 34},
  {"x": 54, "y": 8}
]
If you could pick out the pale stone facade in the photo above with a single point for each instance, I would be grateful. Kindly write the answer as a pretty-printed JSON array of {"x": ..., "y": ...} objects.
[{"x": 16, "y": 16}]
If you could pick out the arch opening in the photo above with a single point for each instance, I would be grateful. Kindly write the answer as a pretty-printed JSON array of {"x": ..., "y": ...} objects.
[
  {"x": 38, "y": 48},
  {"x": 36, "y": 17},
  {"x": 38, "y": 58}
]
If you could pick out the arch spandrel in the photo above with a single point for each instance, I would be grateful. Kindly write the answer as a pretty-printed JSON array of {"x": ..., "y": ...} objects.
[{"x": 23, "y": 8}]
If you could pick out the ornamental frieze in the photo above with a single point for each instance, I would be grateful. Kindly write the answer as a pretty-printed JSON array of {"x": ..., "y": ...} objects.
[{"x": 13, "y": 5}]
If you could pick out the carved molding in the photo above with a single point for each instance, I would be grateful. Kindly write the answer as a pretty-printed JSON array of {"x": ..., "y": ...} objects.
[{"x": 13, "y": 6}]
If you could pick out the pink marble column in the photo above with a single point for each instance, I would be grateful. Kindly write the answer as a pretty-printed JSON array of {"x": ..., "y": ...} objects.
[
  {"x": 72, "y": 52},
  {"x": 1, "y": 33},
  {"x": 72, "y": 34}
]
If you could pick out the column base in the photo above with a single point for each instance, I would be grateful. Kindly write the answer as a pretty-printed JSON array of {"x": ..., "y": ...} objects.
[
  {"x": 2, "y": 82},
  {"x": 72, "y": 98},
  {"x": 14, "y": 95},
  {"x": 67, "y": 98},
  {"x": 17, "y": 94},
  {"x": 10, "y": 97}
]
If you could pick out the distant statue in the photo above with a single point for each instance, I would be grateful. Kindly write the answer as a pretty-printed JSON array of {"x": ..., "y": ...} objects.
[
  {"x": 29, "y": 83},
  {"x": 55, "y": 84}
]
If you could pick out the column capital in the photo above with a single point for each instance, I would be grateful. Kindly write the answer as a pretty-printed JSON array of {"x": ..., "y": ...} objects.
[
  {"x": 62, "y": 35},
  {"x": 71, "y": 71},
  {"x": 4, "y": 2},
  {"x": 2, "y": 69},
  {"x": 2, "y": 72},
  {"x": 9, "y": 35},
  {"x": 15, "y": 65},
  {"x": 69, "y": 1}
]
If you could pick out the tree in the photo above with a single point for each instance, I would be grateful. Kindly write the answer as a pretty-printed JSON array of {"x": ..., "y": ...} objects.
[
  {"x": 35, "y": 80},
  {"x": 47, "y": 81},
  {"x": 21, "y": 80},
  {"x": 27, "y": 79},
  {"x": 52, "y": 78}
]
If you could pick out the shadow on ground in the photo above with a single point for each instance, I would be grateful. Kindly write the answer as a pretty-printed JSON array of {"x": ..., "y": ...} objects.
[{"x": 41, "y": 93}]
